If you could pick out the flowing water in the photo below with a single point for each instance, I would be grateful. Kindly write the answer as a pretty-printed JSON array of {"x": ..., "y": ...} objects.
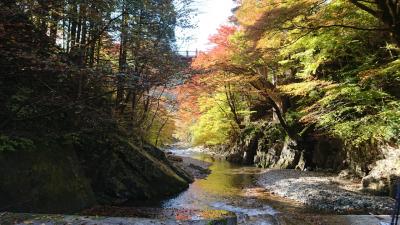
[{"x": 230, "y": 187}]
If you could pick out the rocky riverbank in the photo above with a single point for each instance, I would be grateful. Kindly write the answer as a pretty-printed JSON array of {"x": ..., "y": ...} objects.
[
  {"x": 104, "y": 169},
  {"x": 266, "y": 145},
  {"x": 323, "y": 192},
  {"x": 126, "y": 216}
]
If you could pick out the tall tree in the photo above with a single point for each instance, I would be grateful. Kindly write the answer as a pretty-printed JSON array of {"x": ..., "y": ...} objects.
[{"x": 387, "y": 11}]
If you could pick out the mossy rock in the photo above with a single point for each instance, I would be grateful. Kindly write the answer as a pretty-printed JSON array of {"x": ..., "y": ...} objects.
[
  {"x": 120, "y": 171},
  {"x": 68, "y": 176},
  {"x": 254, "y": 143},
  {"x": 46, "y": 178}
]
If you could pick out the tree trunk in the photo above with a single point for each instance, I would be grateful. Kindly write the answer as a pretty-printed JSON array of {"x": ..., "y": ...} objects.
[
  {"x": 387, "y": 11},
  {"x": 73, "y": 23},
  {"x": 230, "y": 97},
  {"x": 55, "y": 18},
  {"x": 98, "y": 51},
  {"x": 267, "y": 90},
  {"x": 122, "y": 56},
  {"x": 79, "y": 25},
  {"x": 83, "y": 43},
  {"x": 159, "y": 130},
  {"x": 68, "y": 45}
]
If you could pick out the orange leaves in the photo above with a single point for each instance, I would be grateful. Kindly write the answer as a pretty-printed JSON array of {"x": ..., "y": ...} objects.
[
  {"x": 222, "y": 37},
  {"x": 220, "y": 52},
  {"x": 213, "y": 73}
]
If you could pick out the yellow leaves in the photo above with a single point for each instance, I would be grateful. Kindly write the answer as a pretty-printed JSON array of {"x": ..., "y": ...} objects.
[
  {"x": 249, "y": 12},
  {"x": 367, "y": 74},
  {"x": 304, "y": 88},
  {"x": 389, "y": 72},
  {"x": 271, "y": 41},
  {"x": 213, "y": 214}
]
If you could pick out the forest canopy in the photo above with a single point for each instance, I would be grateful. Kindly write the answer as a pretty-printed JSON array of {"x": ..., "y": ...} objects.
[
  {"x": 315, "y": 68},
  {"x": 91, "y": 62}
]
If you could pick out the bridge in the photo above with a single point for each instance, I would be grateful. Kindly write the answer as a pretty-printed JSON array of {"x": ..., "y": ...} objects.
[{"x": 189, "y": 54}]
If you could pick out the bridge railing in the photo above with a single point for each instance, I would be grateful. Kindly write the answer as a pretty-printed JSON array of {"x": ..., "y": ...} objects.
[{"x": 188, "y": 54}]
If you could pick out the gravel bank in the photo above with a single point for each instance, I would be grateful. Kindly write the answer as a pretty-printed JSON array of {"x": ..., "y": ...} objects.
[{"x": 323, "y": 192}]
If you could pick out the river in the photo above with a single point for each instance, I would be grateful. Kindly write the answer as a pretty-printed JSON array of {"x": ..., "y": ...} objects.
[{"x": 230, "y": 187}]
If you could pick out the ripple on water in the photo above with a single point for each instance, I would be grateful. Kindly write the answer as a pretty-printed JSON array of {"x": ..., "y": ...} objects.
[{"x": 229, "y": 187}]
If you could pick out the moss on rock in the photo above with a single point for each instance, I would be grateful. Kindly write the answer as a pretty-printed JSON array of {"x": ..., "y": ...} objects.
[
  {"x": 47, "y": 178},
  {"x": 120, "y": 171},
  {"x": 68, "y": 176}
]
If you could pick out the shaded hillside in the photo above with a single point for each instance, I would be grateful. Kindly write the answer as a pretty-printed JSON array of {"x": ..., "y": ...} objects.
[{"x": 62, "y": 148}]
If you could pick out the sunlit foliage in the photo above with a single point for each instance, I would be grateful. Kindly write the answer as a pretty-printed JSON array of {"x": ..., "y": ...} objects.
[{"x": 336, "y": 62}]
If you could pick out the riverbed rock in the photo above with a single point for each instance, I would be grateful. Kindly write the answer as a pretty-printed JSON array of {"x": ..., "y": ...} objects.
[
  {"x": 46, "y": 178},
  {"x": 269, "y": 158},
  {"x": 192, "y": 168},
  {"x": 266, "y": 145},
  {"x": 259, "y": 143},
  {"x": 283, "y": 155},
  {"x": 385, "y": 173},
  {"x": 244, "y": 150},
  {"x": 94, "y": 168},
  {"x": 120, "y": 171},
  {"x": 290, "y": 155},
  {"x": 129, "y": 216},
  {"x": 312, "y": 219},
  {"x": 175, "y": 158}
]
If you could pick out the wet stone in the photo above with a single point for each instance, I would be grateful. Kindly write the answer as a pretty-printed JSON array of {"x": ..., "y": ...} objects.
[{"x": 155, "y": 217}]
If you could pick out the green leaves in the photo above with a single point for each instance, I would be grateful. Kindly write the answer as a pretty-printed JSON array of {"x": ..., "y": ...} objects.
[
  {"x": 215, "y": 123},
  {"x": 330, "y": 57},
  {"x": 8, "y": 144},
  {"x": 355, "y": 115}
]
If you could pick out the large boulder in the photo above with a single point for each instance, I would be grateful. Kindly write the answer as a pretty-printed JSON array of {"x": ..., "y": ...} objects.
[
  {"x": 290, "y": 155},
  {"x": 282, "y": 155},
  {"x": 385, "y": 173},
  {"x": 157, "y": 153},
  {"x": 245, "y": 148},
  {"x": 269, "y": 158},
  {"x": 254, "y": 143},
  {"x": 120, "y": 171},
  {"x": 266, "y": 145},
  {"x": 46, "y": 178},
  {"x": 72, "y": 174}
]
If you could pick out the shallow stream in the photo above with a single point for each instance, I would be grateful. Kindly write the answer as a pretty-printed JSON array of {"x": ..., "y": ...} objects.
[{"x": 231, "y": 187}]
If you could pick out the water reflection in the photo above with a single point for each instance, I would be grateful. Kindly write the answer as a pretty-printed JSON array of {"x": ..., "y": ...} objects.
[
  {"x": 232, "y": 187},
  {"x": 225, "y": 188}
]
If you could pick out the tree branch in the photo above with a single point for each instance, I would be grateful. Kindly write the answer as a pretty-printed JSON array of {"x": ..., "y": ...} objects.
[
  {"x": 365, "y": 8},
  {"x": 343, "y": 26}
]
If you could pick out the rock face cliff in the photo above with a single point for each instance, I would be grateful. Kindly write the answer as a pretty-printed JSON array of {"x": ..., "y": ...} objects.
[
  {"x": 385, "y": 173},
  {"x": 65, "y": 178},
  {"x": 120, "y": 171},
  {"x": 266, "y": 145},
  {"x": 263, "y": 144},
  {"x": 46, "y": 178}
]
